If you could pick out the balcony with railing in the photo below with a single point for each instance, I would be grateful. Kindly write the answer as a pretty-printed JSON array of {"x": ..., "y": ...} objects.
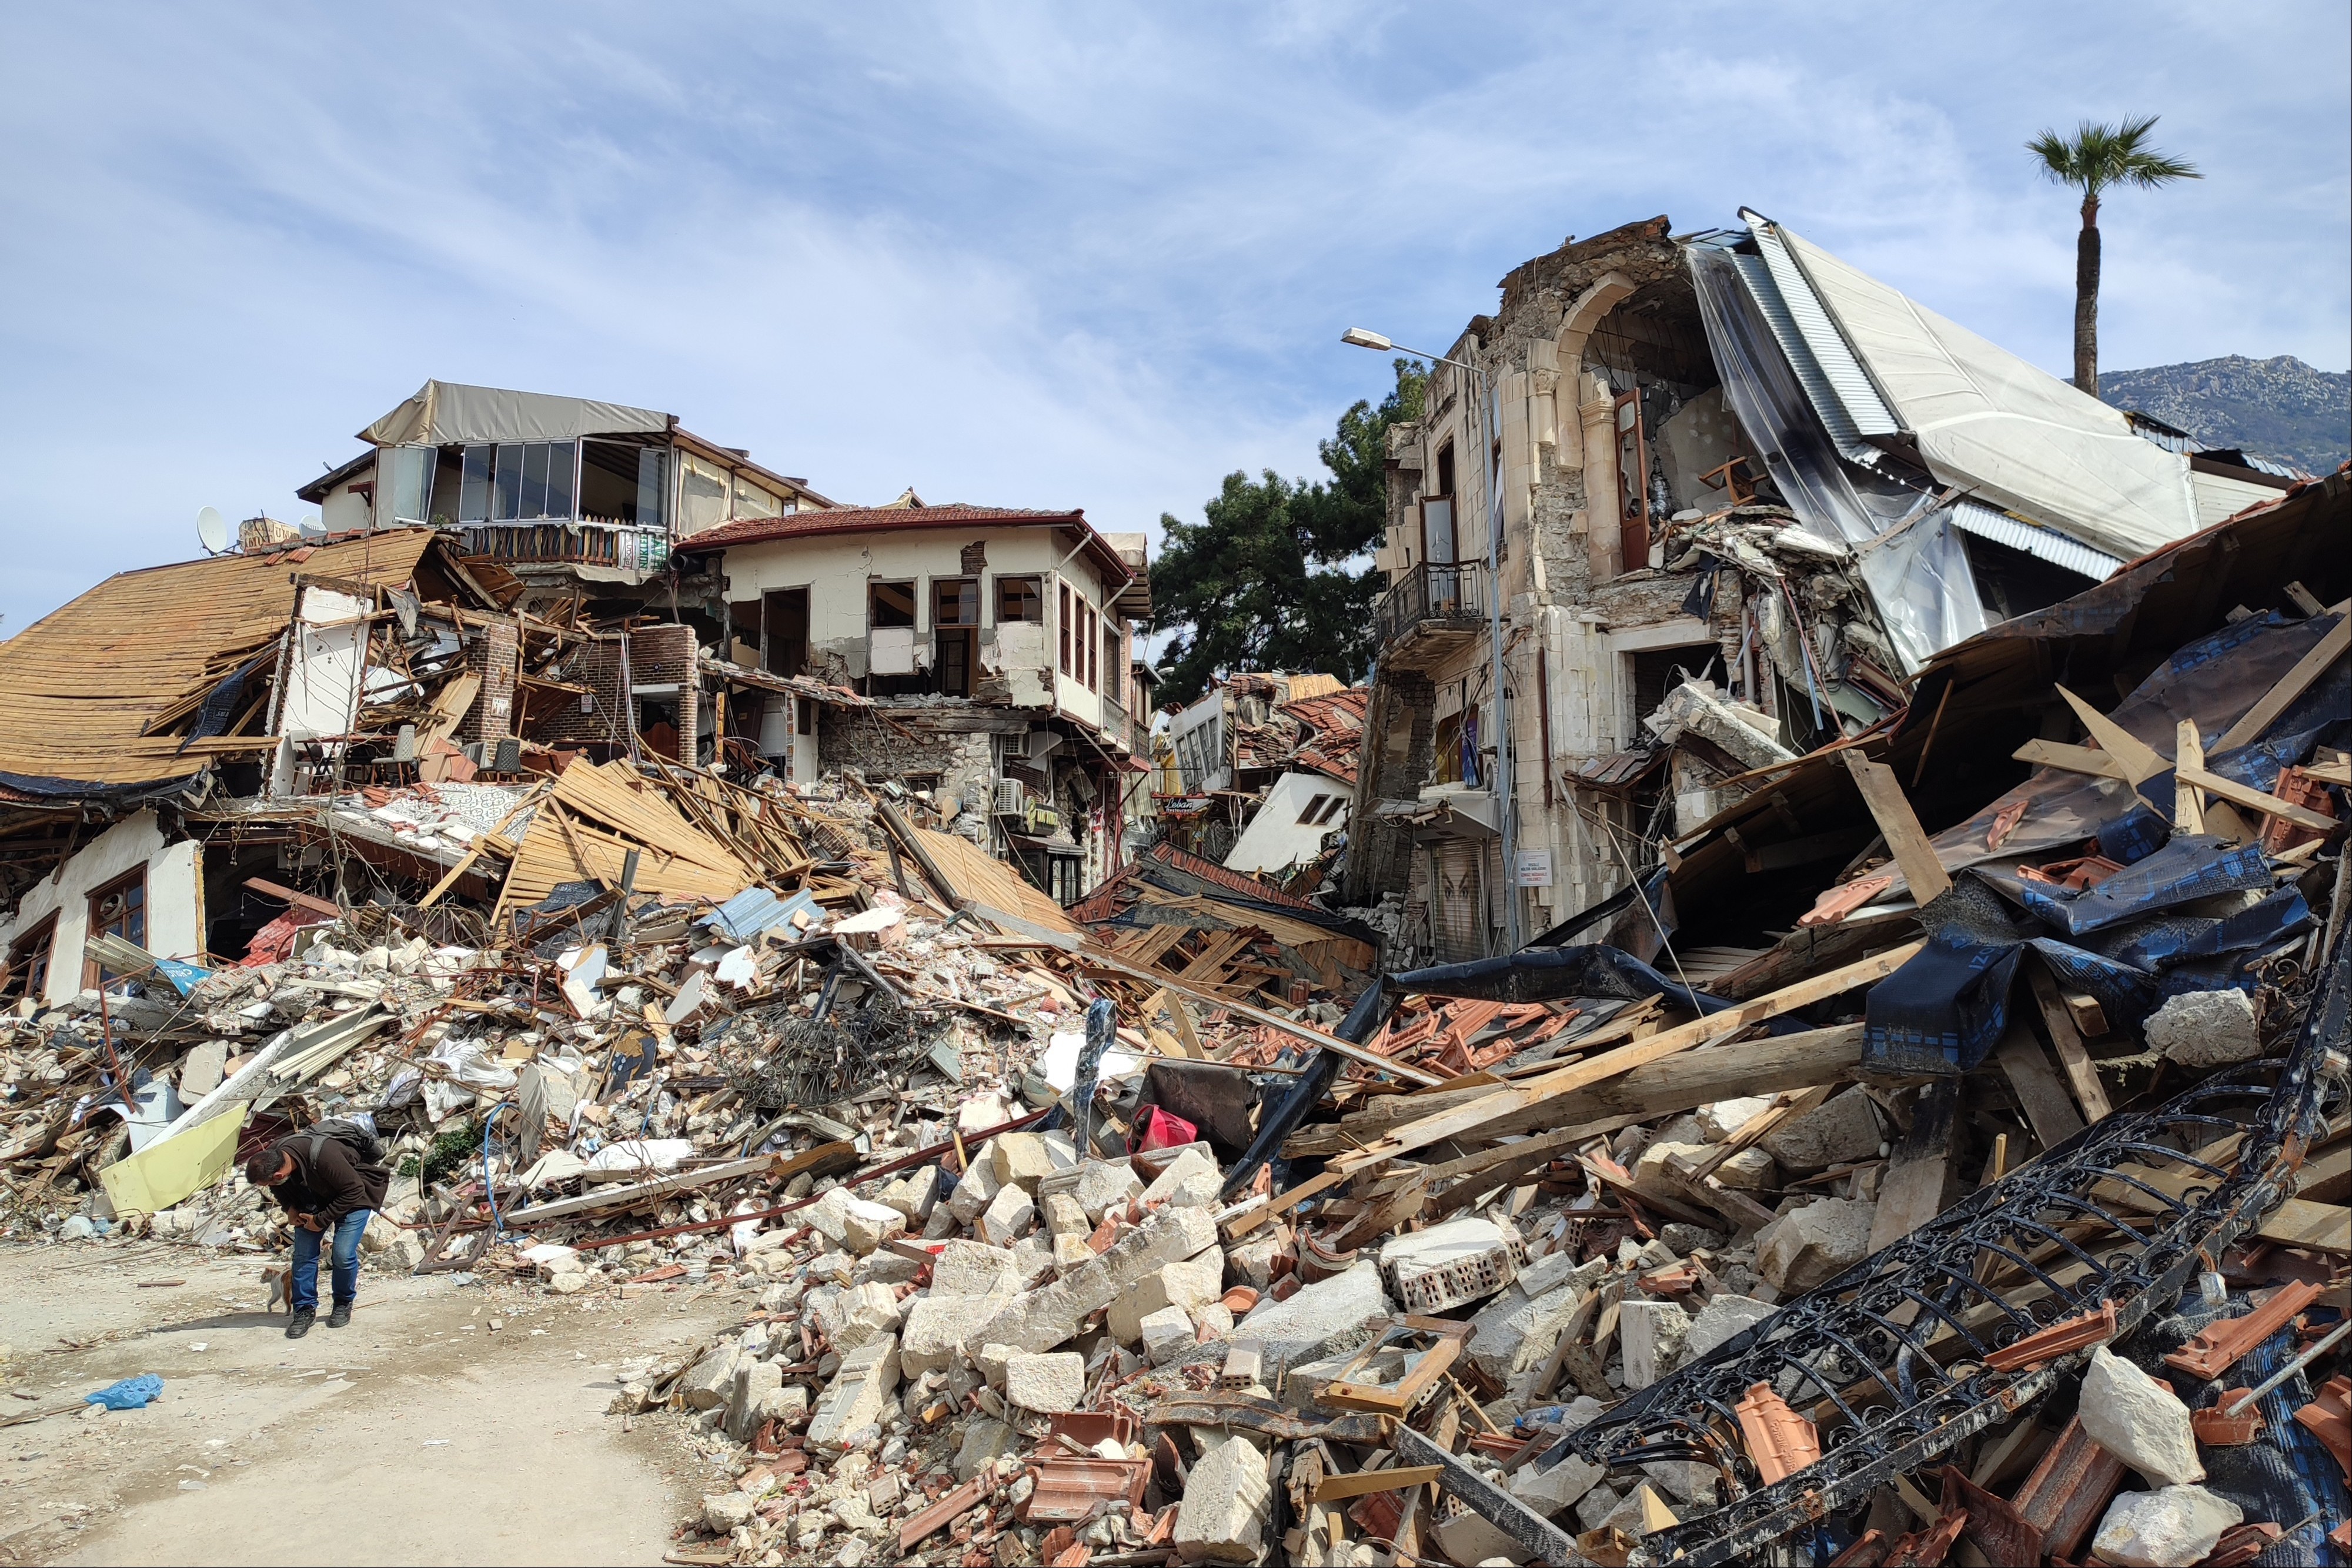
[
  {"x": 1434, "y": 609},
  {"x": 1115, "y": 726}
]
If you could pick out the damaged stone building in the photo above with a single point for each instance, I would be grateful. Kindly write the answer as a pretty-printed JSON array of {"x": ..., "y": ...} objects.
[
  {"x": 1720, "y": 489},
  {"x": 993, "y": 647}
]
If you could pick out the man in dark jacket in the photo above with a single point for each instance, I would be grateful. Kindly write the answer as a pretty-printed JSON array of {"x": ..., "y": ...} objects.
[{"x": 324, "y": 1187}]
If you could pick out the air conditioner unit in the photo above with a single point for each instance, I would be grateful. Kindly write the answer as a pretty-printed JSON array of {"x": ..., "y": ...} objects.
[
  {"x": 1043, "y": 819},
  {"x": 1009, "y": 794}
]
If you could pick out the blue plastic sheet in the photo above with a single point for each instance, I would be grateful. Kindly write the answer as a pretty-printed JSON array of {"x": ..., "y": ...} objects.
[
  {"x": 2191, "y": 867},
  {"x": 131, "y": 1393}
]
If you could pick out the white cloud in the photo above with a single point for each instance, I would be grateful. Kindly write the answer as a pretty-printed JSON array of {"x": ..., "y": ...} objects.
[{"x": 1076, "y": 256}]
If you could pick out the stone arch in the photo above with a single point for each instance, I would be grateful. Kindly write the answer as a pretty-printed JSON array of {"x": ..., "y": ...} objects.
[{"x": 1567, "y": 345}]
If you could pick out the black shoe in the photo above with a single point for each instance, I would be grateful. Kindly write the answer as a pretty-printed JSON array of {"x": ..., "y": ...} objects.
[
  {"x": 339, "y": 1316},
  {"x": 301, "y": 1323}
]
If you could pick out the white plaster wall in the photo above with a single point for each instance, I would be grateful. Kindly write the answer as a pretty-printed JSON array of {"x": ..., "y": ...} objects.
[
  {"x": 174, "y": 898},
  {"x": 836, "y": 569},
  {"x": 1274, "y": 840},
  {"x": 343, "y": 510}
]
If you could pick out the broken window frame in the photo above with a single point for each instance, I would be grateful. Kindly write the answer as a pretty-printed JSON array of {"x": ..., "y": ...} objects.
[
  {"x": 1020, "y": 599},
  {"x": 29, "y": 956},
  {"x": 875, "y": 589},
  {"x": 651, "y": 508},
  {"x": 955, "y": 634},
  {"x": 129, "y": 922},
  {"x": 1632, "y": 482}
]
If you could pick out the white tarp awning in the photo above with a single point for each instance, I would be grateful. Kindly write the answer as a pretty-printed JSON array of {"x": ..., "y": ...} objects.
[
  {"x": 2012, "y": 433},
  {"x": 447, "y": 414}
]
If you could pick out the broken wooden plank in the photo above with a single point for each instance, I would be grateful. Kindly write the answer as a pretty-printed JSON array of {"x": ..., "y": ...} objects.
[
  {"x": 2189, "y": 757},
  {"x": 1906, "y": 840},
  {"x": 1482, "y": 1114},
  {"x": 2245, "y": 795},
  {"x": 2140, "y": 761},
  {"x": 1912, "y": 1192},
  {"x": 2048, "y": 1111},
  {"x": 2064, "y": 1038},
  {"x": 2290, "y": 685}
]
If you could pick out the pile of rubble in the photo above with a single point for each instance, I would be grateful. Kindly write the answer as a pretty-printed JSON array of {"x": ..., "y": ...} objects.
[{"x": 1993, "y": 1211}]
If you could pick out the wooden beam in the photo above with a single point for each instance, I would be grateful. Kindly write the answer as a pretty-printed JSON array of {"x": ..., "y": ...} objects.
[
  {"x": 1094, "y": 957},
  {"x": 1912, "y": 1190},
  {"x": 2291, "y": 684},
  {"x": 298, "y": 900},
  {"x": 2139, "y": 760},
  {"x": 2073, "y": 758},
  {"x": 2189, "y": 757},
  {"x": 2064, "y": 1038},
  {"x": 1906, "y": 840},
  {"x": 1480, "y": 1114},
  {"x": 2043, "y": 1097},
  {"x": 2255, "y": 800}
]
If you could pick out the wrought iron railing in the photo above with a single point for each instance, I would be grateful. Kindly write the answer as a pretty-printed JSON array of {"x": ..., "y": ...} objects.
[{"x": 1434, "y": 591}]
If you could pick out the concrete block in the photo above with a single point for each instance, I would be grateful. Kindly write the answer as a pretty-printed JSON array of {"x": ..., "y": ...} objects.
[
  {"x": 1749, "y": 1170},
  {"x": 1554, "y": 1492},
  {"x": 710, "y": 1380},
  {"x": 1105, "y": 1183},
  {"x": 1065, "y": 1216},
  {"x": 1725, "y": 1117},
  {"x": 866, "y": 1226},
  {"x": 1188, "y": 1285},
  {"x": 1191, "y": 1178},
  {"x": 1167, "y": 1335},
  {"x": 1466, "y": 1537},
  {"x": 1808, "y": 1246},
  {"x": 974, "y": 1191},
  {"x": 1840, "y": 1129},
  {"x": 914, "y": 1195},
  {"x": 973, "y": 1269},
  {"x": 985, "y": 1441},
  {"x": 1008, "y": 1218},
  {"x": 1516, "y": 1332},
  {"x": 860, "y": 1394},
  {"x": 1310, "y": 1321},
  {"x": 1055, "y": 1381},
  {"x": 1039, "y": 1319},
  {"x": 826, "y": 1216},
  {"x": 939, "y": 1329},
  {"x": 1652, "y": 1177},
  {"x": 2169, "y": 1528},
  {"x": 1651, "y": 1333},
  {"x": 1461, "y": 1260},
  {"x": 863, "y": 1314},
  {"x": 2132, "y": 1417},
  {"x": 1723, "y": 1316},
  {"x": 1228, "y": 1499},
  {"x": 754, "y": 1381},
  {"x": 2205, "y": 1028},
  {"x": 1020, "y": 1159}
]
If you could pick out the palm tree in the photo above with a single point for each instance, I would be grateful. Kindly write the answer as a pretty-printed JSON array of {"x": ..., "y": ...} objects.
[{"x": 2094, "y": 158}]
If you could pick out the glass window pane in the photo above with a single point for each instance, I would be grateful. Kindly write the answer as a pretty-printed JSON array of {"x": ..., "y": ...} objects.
[
  {"x": 534, "y": 480},
  {"x": 560, "y": 457},
  {"x": 408, "y": 491},
  {"x": 473, "y": 500},
  {"x": 701, "y": 496},
  {"x": 508, "y": 502},
  {"x": 652, "y": 488}
]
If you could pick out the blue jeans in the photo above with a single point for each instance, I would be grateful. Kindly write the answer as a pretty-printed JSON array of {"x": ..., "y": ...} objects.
[{"x": 346, "y": 1259}]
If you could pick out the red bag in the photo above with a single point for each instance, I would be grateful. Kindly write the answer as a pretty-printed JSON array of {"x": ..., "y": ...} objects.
[{"x": 1162, "y": 1131}]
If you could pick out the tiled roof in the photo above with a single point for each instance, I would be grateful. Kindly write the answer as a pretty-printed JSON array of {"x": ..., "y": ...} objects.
[
  {"x": 875, "y": 519},
  {"x": 866, "y": 519}
]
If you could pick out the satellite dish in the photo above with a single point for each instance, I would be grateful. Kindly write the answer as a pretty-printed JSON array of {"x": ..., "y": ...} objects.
[
  {"x": 312, "y": 523},
  {"x": 212, "y": 531}
]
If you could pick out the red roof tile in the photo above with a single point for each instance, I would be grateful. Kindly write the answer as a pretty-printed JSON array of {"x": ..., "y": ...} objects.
[{"x": 875, "y": 519}]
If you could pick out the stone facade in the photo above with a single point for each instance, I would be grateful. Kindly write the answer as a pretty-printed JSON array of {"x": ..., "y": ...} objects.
[{"x": 1598, "y": 337}]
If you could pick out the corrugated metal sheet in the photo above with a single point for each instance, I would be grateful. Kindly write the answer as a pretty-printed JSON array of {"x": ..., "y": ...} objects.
[
  {"x": 2047, "y": 544},
  {"x": 1840, "y": 391}
]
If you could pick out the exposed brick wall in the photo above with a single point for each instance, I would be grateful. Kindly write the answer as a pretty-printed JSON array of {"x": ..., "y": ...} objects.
[{"x": 597, "y": 665}]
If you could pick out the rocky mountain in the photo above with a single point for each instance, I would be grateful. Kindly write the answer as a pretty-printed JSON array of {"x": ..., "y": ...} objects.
[{"x": 2279, "y": 408}]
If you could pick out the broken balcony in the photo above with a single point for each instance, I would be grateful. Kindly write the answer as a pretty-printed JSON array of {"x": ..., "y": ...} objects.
[{"x": 1434, "y": 611}]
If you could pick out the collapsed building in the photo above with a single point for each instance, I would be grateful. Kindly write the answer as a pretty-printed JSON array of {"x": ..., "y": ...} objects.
[
  {"x": 1727, "y": 460},
  {"x": 1259, "y": 772}
]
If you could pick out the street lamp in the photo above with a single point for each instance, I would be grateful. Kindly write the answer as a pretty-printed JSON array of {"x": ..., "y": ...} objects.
[{"x": 1361, "y": 338}]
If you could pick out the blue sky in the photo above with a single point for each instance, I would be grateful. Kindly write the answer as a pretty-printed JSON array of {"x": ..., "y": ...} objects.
[{"x": 1090, "y": 255}]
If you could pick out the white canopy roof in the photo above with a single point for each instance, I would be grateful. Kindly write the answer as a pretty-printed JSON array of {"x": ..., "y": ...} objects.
[
  {"x": 2014, "y": 435},
  {"x": 448, "y": 413}
]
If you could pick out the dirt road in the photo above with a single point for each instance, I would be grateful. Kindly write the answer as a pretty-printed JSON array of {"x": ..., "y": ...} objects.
[{"x": 418, "y": 1434}]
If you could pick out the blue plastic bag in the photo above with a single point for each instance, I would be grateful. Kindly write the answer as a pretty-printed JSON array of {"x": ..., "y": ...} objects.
[{"x": 131, "y": 1393}]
